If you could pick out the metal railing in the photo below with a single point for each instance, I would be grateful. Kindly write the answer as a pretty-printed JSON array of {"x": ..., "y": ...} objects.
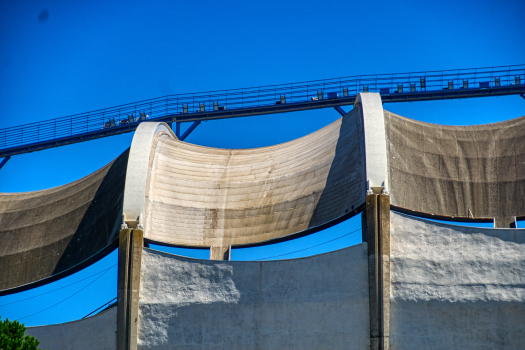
[{"x": 104, "y": 120}]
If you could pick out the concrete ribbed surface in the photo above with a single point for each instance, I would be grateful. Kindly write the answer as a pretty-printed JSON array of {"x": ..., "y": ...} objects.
[
  {"x": 200, "y": 196},
  {"x": 449, "y": 170},
  {"x": 46, "y": 232}
]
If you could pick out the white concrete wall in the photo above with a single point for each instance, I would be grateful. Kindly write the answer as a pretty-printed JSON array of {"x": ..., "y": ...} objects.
[
  {"x": 456, "y": 287},
  {"x": 98, "y": 332},
  {"x": 319, "y": 302}
]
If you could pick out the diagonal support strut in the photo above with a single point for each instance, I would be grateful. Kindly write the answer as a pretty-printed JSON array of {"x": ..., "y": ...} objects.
[
  {"x": 4, "y": 161},
  {"x": 340, "y": 110},
  {"x": 187, "y": 132}
]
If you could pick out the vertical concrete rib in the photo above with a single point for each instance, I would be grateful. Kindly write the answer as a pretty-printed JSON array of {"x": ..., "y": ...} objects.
[
  {"x": 378, "y": 238},
  {"x": 129, "y": 270},
  {"x": 220, "y": 253},
  {"x": 373, "y": 271},
  {"x": 371, "y": 109},
  {"x": 122, "y": 289},
  {"x": 136, "y": 245},
  {"x": 384, "y": 265},
  {"x": 138, "y": 170}
]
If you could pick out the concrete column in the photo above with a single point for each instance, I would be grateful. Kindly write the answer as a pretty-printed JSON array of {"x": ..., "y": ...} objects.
[
  {"x": 122, "y": 289},
  {"x": 131, "y": 243},
  {"x": 220, "y": 253},
  {"x": 378, "y": 239}
]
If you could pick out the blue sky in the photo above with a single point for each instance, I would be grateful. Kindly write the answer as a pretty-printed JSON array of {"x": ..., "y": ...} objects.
[{"x": 90, "y": 55}]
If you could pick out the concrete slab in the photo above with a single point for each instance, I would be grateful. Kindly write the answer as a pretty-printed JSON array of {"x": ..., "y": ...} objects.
[
  {"x": 319, "y": 302},
  {"x": 456, "y": 287}
]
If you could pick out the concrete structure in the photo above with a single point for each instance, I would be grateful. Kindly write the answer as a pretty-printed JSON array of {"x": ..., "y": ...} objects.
[
  {"x": 456, "y": 287},
  {"x": 319, "y": 302},
  {"x": 201, "y": 197},
  {"x": 97, "y": 332},
  {"x": 49, "y": 232},
  {"x": 426, "y": 285},
  {"x": 469, "y": 171}
]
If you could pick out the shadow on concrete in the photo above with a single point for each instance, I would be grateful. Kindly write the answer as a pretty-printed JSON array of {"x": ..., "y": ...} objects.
[
  {"x": 345, "y": 185},
  {"x": 101, "y": 222}
]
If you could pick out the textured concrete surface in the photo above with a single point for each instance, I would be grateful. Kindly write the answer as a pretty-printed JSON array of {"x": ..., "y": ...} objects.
[
  {"x": 319, "y": 302},
  {"x": 138, "y": 172},
  {"x": 201, "y": 196},
  {"x": 456, "y": 287},
  {"x": 369, "y": 105},
  {"x": 449, "y": 170},
  {"x": 378, "y": 242},
  {"x": 46, "y": 232},
  {"x": 131, "y": 243},
  {"x": 98, "y": 332}
]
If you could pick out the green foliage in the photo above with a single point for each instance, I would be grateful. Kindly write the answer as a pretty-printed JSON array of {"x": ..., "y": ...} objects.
[{"x": 12, "y": 336}]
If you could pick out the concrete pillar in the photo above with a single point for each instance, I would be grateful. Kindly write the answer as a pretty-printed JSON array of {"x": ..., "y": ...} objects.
[
  {"x": 378, "y": 239},
  {"x": 122, "y": 288},
  {"x": 220, "y": 253},
  {"x": 131, "y": 243}
]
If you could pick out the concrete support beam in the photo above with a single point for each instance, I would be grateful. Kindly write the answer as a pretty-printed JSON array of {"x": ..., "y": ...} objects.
[
  {"x": 122, "y": 288},
  {"x": 371, "y": 110},
  {"x": 220, "y": 253},
  {"x": 138, "y": 171},
  {"x": 131, "y": 243},
  {"x": 378, "y": 239}
]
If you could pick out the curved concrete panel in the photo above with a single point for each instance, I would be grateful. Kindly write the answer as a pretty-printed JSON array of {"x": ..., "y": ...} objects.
[
  {"x": 138, "y": 171},
  {"x": 97, "y": 333},
  {"x": 456, "y": 287},
  {"x": 43, "y": 233},
  {"x": 203, "y": 196},
  {"x": 470, "y": 171},
  {"x": 319, "y": 302}
]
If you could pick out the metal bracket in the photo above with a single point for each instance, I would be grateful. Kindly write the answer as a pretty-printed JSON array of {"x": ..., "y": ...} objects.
[
  {"x": 4, "y": 161},
  {"x": 340, "y": 110},
  {"x": 177, "y": 130},
  {"x": 190, "y": 129}
]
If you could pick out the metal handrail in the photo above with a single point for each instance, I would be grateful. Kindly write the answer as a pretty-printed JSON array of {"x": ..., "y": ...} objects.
[{"x": 270, "y": 95}]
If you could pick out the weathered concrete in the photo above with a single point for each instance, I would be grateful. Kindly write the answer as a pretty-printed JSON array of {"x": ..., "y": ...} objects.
[
  {"x": 319, "y": 302},
  {"x": 370, "y": 107},
  {"x": 456, "y": 287},
  {"x": 378, "y": 240},
  {"x": 43, "y": 233},
  {"x": 451, "y": 170},
  {"x": 201, "y": 196},
  {"x": 98, "y": 332},
  {"x": 129, "y": 272},
  {"x": 138, "y": 172}
]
